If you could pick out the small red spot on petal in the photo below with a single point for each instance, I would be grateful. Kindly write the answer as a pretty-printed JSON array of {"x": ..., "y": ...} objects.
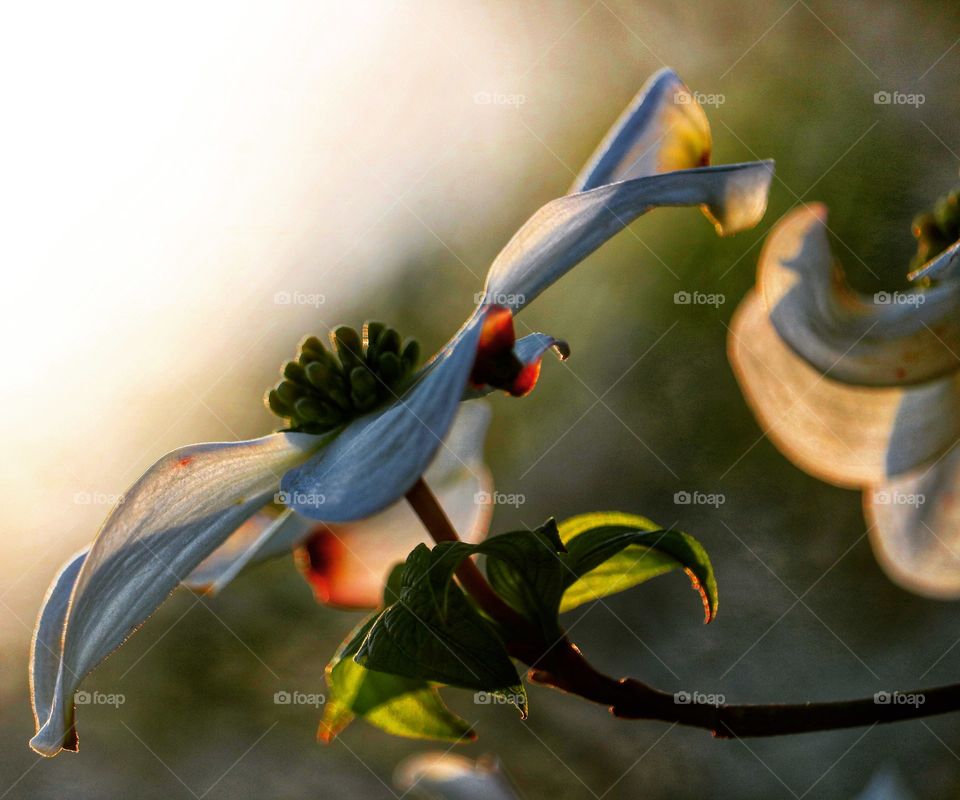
[
  {"x": 185, "y": 461},
  {"x": 524, "y": 382},
  {"x": 317, "y": 559}
]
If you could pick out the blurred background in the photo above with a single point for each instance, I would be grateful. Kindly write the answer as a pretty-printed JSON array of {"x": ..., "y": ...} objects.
[{"x": 190, "y": 188}]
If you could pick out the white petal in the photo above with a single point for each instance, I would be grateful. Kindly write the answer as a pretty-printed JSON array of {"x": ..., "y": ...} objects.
[
  {"x": 46, "y": 645},
  {"x": 565, "y": 231},
  {"x": 846, "y": 435},
  {"x": 353, "y": 560},
  {"x": 888, "y": 339},
  {"x": 172, "y": 518},
  {"x": 663, "y": 129},
  {"x": 448, "y": 776},
  {"x": 379, "y": 457},
  {"x": 915, "y": 527},
  {"x": 267, "y": 534}
]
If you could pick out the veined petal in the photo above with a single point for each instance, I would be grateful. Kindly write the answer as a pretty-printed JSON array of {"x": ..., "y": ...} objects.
[
  {"x": 565, "y": 231},
  {"x": 378, "y": 457},
  {"x": 45, "y": 648},
  {"x": 348, "y": 564},
  {"x": 172, "y": 518},
  {"x": 663, "y": 129},
  {"x": 850, "y": 436},
  {"x": 915, "y": 527},
  {"x": 267, "y": 534},
  {"x": 890, "y": 339}
]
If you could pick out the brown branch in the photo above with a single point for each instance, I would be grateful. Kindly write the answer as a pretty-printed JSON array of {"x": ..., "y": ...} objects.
[{"x": 562, "y": 666}]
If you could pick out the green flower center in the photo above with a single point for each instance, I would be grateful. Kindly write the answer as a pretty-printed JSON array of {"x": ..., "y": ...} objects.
[
  {"x": 324, "y": 389},
  {"x": 936, "y": 230}
]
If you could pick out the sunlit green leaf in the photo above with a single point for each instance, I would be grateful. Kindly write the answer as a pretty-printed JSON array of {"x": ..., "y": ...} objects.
[
  {"x": 398, "y": 705},
  {"x": 608, "y": 552}
]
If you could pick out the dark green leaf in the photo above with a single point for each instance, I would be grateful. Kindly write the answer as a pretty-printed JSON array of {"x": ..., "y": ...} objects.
[{"x": 433, "y": 633}]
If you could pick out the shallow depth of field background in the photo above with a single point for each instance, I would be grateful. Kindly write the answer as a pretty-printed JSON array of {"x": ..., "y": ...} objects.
[{"x": 175, "y": 175}]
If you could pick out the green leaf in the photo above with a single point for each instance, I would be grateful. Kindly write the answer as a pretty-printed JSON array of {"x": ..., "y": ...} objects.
[
  {"x": 524, "y": 568},
  {"x": 608, "y": 552},
  {"x": 433, "y": 633},
  {"x": 398, "y": 705}
]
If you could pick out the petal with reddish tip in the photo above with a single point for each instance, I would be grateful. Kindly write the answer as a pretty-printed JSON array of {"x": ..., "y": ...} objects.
[
  {"x": 663, "y": 129},
  {"x": 565, "y": 231},
  {"x": 914, "y": 525},
  {"x": 850, "y": 436},
  {"x": 172, "y": 518},
  {"x": 889, "y": 339},
  {"x": 348, "y": 564}
]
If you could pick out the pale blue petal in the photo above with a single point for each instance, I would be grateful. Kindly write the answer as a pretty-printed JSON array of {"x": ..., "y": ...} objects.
[
  {"x": 181, "y": 510},
  {"x": 46, "y": 645},
  {"x": 379, "y": 457},
  {"x": 565, "y": 231}
]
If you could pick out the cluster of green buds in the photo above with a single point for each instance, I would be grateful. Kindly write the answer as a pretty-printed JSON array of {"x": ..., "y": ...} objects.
[
  {"x": 936, "y": 230},
  {"x": 325, "y": 388}
]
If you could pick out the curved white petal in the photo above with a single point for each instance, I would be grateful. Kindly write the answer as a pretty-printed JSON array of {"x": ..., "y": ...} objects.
[
  {"x": 447, "y": 776},
  {"x": 915, "y": 527},
  {"x": 565, "y": 231},
  {"x": 889, "y": 339},
  {"x": 379, "y": 457},
  {"x": 663, "y": 129},
  {"x": 45, "y": 647},
  {"x": 850, "y": 436},
  {"x": 349, "y": 563},
  {"x": 172, "y": 518}
]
